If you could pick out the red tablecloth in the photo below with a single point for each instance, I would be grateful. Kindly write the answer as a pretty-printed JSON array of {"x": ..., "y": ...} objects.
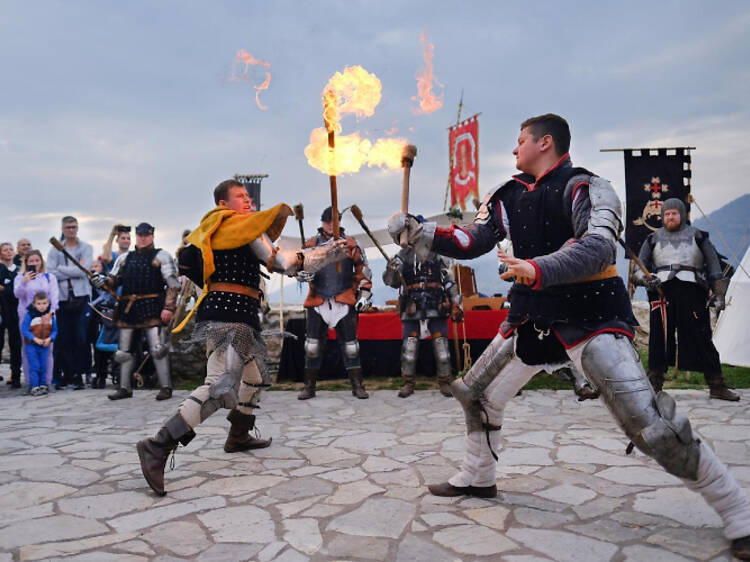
[{"x": 479, "y": 324}]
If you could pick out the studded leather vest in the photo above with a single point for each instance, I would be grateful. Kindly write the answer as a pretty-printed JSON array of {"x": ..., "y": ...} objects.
[
  {"x": 141, "y": 277},
  {"x": 241, "y": 267},
  {"x": 328, "y": 282}
]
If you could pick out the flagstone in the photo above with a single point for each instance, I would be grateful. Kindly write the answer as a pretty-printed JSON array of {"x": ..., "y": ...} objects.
[
  {"x": 416, "y": 549},
  {"x": 567, "y": 493},
  {"x": 697, "y": 543},
  {"x": 184, "y": 538},
  {"x": 239, "y": 524},
  {"x": 540, "y": 518},
  {"x": 576, "y": 454},
  {"x": 641, "y": 553},
  {"x": 642, "y": 476},
  {"x": 563, "y": 546},
  {"x": 224, "y": 552},
  {"x": 344, "y": 475},
  {"x": 16, "y": 495},
  {"x": 679, "y": 504},
  {"x": 292, "y": 508},
  {"x": 474, "y": 540},
  {"x": 156, "y": 515},
  {"x": 303, "y": 534},
  {"x": 56, "y": 528},
  {"x": 354, "y": 492},
  {"x": 381, "y": 464},
  {"x": 381, "y": 517},
  {"x": 105, "y": 506},
  {"x": 237, "y": 485}
]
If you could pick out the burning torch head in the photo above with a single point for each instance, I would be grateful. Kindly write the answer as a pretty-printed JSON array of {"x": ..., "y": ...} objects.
[
  {"x": 408, "y": 154},
  {"x": 299, "y": 212}
]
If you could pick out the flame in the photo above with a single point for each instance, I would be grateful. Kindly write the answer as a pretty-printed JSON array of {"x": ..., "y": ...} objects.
[
  {"x": 244, "y": 58},
  {"x": 357, "y": 92},
  {"x": 428, "y": 102}
]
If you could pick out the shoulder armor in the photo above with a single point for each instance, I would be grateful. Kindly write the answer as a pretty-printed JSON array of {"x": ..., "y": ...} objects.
[
  {"x": 606, "y": 210},
  {"x": 483, "y": 214}
]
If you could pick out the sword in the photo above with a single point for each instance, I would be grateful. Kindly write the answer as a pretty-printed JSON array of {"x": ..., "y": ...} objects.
[{"x": 58, "y": 246}]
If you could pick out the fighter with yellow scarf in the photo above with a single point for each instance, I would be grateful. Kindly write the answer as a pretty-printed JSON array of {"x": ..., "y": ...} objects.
[{"x": 225, "y": 255}]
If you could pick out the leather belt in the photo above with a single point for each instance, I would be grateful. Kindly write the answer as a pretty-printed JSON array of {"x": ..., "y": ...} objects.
[
  {"x": 234, "y": 288},
  {"x": 428, "y": 285},
  {"x": 132, "y": 298},
  {"x": 677, "y": 267},
  {"x": 607, "y": 273}
]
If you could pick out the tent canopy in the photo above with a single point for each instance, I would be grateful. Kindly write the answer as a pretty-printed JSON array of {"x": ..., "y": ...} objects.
[{"x": 732, "y": 338}]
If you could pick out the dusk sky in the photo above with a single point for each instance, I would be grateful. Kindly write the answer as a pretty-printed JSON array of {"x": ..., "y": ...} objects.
[{"x": 126, "y": 111}]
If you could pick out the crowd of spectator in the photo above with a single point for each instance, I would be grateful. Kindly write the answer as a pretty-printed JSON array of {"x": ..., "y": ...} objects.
[{"x": 50, "y": 317}]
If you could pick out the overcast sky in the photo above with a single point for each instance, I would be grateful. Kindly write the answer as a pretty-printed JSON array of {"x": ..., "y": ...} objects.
[{"x": 125, "y": 111}]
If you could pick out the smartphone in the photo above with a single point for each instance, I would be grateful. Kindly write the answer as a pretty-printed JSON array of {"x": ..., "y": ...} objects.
[{"x": 31, "y": 268}]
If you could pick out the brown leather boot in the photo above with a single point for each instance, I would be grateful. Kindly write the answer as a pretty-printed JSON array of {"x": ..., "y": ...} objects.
[
  {"x": 154, "y": 451},
  {"x": 311, "y": 377},
  {"x": 408, "y": 388},
  {"x": 164, "y": 394},
  {"x": 238, "y": 438},
  {"x": 718, "y": 388},
  {"x": 444, "y": 383},
  {"x": 448, "y": 490},
  {"x": 656, "y": 378},
  {"x": 358, "y": 387},
  {"x": 741, "y": 548}
]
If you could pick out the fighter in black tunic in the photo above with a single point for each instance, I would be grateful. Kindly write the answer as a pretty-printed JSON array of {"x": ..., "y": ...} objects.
[
  {"x": 228, "y": 248},
  {"x": 567, "y": 301},
  {"x": 148, "y": 280}
]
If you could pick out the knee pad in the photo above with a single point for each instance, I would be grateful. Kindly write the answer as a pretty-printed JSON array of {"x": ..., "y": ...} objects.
[
  {"x": 442, "y": 356},
  {"x": 351, "y": 349},
  {"x": 123, "y": 356},
  {"x": 409, "y": 356},
  {"x": 312, "y": 348},
  {"x": 669, "y": 440}
]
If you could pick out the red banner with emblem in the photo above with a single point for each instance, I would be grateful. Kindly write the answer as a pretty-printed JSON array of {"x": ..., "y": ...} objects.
[{"x": 464, "y": 162}]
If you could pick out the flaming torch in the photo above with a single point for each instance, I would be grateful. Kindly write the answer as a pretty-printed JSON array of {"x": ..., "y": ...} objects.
[
  {"x": 407, "y": 160},
  {"x": 330, "y": 120}
]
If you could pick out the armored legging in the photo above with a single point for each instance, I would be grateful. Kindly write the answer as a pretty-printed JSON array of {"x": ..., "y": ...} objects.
[
  {"x": 611, "y": 364},
  {"x": 230, "y": 383},
  {"x": 316, "y": 335},
  {"x": 125, "y": 357},
  {"x": 438, "y": 328}
]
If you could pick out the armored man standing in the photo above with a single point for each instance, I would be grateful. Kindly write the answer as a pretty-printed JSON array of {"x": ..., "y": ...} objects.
[
  {"x": 429, "y": 295},
  {"x": 684, "y": 265},
  {"x": 337, "y": 294},
  {"x": 225, "y": 255},
  {"x": 567, "y": 302},
  {"x": 148, "y": 283}
]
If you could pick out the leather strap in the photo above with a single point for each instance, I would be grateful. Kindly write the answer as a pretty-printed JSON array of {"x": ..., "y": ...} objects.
[
  {"x": 234, "y": 288},
  {"x": 607, "y": 273}
]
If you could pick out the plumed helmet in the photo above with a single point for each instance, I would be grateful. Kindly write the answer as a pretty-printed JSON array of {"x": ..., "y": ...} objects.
[{"x": 675, "y": 204}]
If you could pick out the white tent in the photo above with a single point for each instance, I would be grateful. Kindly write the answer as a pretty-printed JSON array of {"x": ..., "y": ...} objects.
[{"x": 732, "y": 338}]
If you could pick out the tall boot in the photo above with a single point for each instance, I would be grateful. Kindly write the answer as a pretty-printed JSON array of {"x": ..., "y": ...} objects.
[
  {"x": 311, "y": 377},
  {"x": 154, "y": 451},
  {"x": 238, "y": 438},
  {"x": 656, "y": 378},
  {"x": 718, "y": 388},
  {"x": 408, "y": 388},
  {"x": 444, "y": 383},
  {"x": 358, "y": 387}
]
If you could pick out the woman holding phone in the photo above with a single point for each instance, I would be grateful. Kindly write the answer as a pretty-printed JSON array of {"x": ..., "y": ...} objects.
[{"x": 33, "y": 278}]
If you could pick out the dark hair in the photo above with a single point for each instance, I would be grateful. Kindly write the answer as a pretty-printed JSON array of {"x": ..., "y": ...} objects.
[
  {"x": 221, "y": 191},
  {"x": 69, "y": 218},
  {"x": 39, "y": 295},
  {"x": 552, "y": 125}
]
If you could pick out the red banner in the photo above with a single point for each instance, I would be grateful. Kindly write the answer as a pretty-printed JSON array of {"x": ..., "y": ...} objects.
[{"x": 464, "y": 162}]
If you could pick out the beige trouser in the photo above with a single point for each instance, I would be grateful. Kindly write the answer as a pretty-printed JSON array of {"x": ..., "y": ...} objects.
[{"x": 243, "y": 395}]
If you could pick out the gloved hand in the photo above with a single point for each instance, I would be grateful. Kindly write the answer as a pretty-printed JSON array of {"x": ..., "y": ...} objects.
[
  {"x": 315, "y": 259},
  {"x": 718, "y": 302},
  {"x": 394, "y": 264},
  {"x": 652, "y": 283},
  {"x": 365, "y": 301},
  {"x": 304, "y": 276},
  {"x": 400, "y": 222},
  {"x": 98, "y": 280},
  {"x": 457, "y": 313}
]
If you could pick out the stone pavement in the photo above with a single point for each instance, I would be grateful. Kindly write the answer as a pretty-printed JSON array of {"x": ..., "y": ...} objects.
[{"x": 345, "y": 480}]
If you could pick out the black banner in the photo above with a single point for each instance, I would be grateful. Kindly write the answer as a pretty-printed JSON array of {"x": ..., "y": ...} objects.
[
  {"x": 652, "y": 175},
  {"x": 252, "y": 184}
]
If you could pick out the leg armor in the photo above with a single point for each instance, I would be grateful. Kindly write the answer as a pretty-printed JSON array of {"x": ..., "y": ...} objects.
[
  {"x": 313, "y": 353},
  {"x": 159, "y": 356},
  {"x": 470, "y": 388},
  {"x": 250, "y": 387},
  {"x": 351, "y": 354},
  {"x": 611, "y": 363},
  {"x": 125, "y": 358},
  {"x": 409, "y": 350},
  {"x": 442, "y": 357},
  {"x": 219, "y": 390}
]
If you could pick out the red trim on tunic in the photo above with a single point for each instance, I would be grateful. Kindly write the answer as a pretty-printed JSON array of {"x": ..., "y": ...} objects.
[
  {"x": 631, "y": 335},
  {"x": 451, "y": 233},
  {"x": 538, "y": 283},
  {"x": 556, "y": 165}
]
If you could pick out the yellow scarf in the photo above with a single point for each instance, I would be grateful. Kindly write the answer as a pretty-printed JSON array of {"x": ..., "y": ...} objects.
[{"x": 223, "y": 229}]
